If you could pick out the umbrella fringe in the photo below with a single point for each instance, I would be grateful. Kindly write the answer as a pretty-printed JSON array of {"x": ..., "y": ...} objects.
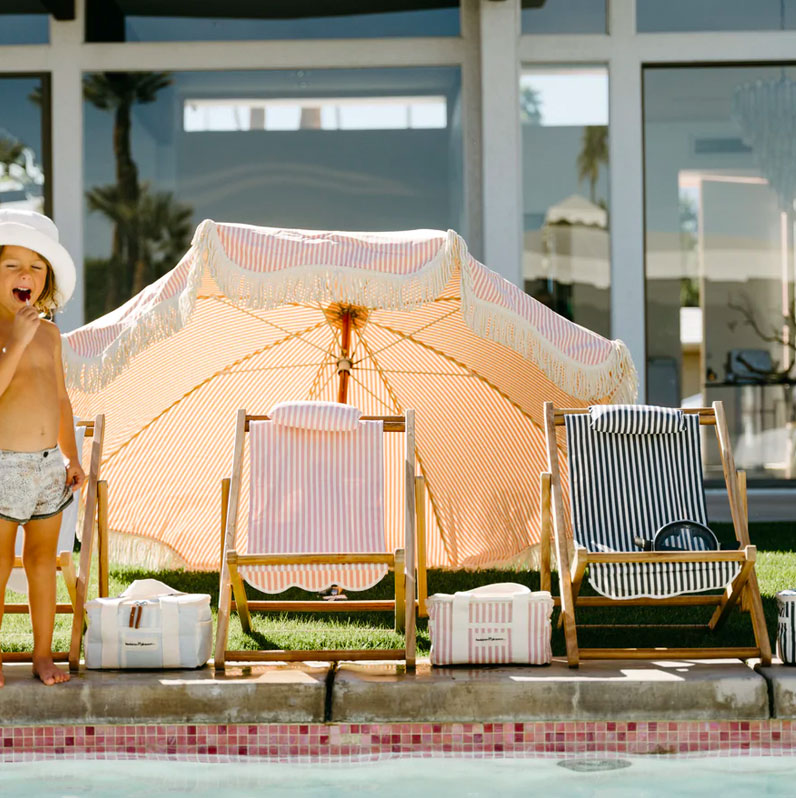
[
  {"x": 324, "y": 283},
  {"x": 91, "y": 374},
  {"x": 616, "y": 381},
  {"x": 613, "y": 381},
  {"x": 128, "y": 549}
]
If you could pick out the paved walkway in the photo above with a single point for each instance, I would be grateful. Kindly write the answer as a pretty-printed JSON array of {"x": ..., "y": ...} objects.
[{"x": 313, "y": 693}]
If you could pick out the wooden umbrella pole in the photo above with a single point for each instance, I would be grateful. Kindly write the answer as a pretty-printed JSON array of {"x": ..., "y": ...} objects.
[{"x": 344, "y": 363}]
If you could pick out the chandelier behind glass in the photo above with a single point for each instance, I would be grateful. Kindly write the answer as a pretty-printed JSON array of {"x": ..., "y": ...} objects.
[{"x": 766, "y": 112}]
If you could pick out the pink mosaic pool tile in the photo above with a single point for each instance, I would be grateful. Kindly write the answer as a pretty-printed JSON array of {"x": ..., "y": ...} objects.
[{"x": 352, "y": 741}]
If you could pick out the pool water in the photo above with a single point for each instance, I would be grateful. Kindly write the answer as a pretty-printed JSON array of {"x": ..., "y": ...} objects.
[{"x": 402, "y": 778}]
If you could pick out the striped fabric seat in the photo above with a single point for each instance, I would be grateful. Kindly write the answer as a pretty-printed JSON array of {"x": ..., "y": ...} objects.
[
  {"x": 626, "y": 482},
  {"x": 316, "y": 485}
]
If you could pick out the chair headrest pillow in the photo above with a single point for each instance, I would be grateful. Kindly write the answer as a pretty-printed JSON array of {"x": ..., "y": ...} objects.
[
  {"x": 324, "y": 416},
  {"x": 636, "y": 419}
]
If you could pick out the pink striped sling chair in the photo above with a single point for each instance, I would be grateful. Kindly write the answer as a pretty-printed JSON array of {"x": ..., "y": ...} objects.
[{"x": 315, "y": 519}]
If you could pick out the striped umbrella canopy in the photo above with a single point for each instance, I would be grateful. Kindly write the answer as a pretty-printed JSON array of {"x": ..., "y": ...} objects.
[{"x": 252, "y": 316}]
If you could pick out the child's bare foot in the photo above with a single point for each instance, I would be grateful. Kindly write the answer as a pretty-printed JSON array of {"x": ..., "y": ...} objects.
[{"x": 48, "y": 671}]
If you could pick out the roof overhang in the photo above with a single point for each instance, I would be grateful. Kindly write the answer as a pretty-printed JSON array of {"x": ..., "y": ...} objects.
[{"x": 60, "y": 9}]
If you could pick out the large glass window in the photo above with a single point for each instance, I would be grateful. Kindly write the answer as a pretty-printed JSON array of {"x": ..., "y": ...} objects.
[
  {"x": 337, "y": 149},
  {"x": 24, "y": 28},
  {"x": 138, "y": 20},
  {"x": 566, "y": 260},
  {"x": 720, "y": 182},
  {"x": 563, "y": 16},
  {"x": 23, "y": 154},
  {"x": 715, "y": 15}
]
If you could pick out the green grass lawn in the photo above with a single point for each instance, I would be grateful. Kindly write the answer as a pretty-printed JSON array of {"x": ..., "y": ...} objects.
[{"x": 776, "y": 568}]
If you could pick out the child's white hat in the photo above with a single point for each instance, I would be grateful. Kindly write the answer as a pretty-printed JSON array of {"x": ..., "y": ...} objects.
[{"x": 38, "y": 232}]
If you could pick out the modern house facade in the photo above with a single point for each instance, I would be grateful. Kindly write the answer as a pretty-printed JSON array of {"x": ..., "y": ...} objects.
[{"x": 632, "y": 163}]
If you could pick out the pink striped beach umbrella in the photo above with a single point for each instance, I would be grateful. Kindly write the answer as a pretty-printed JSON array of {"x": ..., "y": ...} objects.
[{"x": 252, "y": 316}]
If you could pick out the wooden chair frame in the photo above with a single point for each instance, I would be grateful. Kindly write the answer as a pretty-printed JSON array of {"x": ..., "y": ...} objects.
[
  {"x": 77, "y": 580},
  {"x": 409, "y": 580},
  {"x": 573, "y": 559}
]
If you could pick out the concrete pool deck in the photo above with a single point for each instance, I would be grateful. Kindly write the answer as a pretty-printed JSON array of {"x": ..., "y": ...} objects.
[{"x": 714, "y": 690}]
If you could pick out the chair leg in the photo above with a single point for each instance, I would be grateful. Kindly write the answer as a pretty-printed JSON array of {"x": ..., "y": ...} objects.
[
  {"x": 758, "y": 620},
  {"x": 578, "y": 572},
  {"x": 222, "y": 625},
  {"x": 732, "y": 593},
  {"x": 67, "y": 566},
  {"x": 420, "y": 515},
  {"x": 102, "y": 538},
  {"x": 545, "y": 536},
  {"x": 400, "y": 590},
  {"x": 241, "y": 602}
]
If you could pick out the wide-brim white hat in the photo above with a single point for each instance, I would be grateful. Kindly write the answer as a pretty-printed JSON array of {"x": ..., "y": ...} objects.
[{"x": 38, "y": 232}]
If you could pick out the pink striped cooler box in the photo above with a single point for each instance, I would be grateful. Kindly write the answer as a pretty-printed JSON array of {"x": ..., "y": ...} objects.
[{"x": 504, "y": 623}]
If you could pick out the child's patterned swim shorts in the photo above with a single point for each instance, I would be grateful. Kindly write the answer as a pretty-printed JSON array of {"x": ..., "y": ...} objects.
[{"x": 32, "y": 485}]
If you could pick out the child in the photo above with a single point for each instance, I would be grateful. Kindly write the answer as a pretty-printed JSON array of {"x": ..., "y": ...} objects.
[{"x": 39, "y": 463}]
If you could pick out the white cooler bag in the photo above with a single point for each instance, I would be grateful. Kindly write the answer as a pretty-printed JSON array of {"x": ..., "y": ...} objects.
[
  {"x": 493, "y": 624},
  {"x": 149, "y": 626},
  {"x": 786, "y": 626}
]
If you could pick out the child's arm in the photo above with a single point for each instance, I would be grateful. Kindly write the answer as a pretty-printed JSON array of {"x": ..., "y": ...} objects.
[
  {"x": 66, "y": 425},
  {"x": 23, "y": 329}
]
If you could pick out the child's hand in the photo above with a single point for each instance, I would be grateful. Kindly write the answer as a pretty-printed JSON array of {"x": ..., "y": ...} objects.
[
  {"x": 74, "y": 476},
  {"x": 26, "y": 323}
]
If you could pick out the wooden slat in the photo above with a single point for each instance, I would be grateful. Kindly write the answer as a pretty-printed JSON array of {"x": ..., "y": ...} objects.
[
  {"x": 355, "y": 605},
  {"x": 24, "y": 609},
  {"x": 103, "y": 587},
  {"x": 332, "y": 558},
  {"x": 669, "y": 653},
  {"x": 224, "y": 506},
  {"x": 731, "y": 596},
  {"x": 225, "y": 586},
  {"x": 653, "y": 557},
  {"x": 560, "y": 539},
  {"x": 67, "y": 567},
  {"x": 706, "y": 415},
  {"x": 674, "y": 601},
  {"x": 389, "y": 423},
  {"x": 422, "y": 573},
  {"x": 323, "y": 655},
  {"x": 239, "y": 591},
  {"x": 740, "y": 524},
  {"x": 87, "y": 541},
  {"x": 400, "y": 591},
  {"x": 27, "y": 656},
  {"x": 410, "y": 586},
  {"x": 545, "y": 539}
]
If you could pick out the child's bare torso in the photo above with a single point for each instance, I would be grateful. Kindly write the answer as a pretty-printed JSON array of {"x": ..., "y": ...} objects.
[{"x": 29, "y": 407}]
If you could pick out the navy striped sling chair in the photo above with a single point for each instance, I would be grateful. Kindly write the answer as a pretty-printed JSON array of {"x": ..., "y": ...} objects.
[{"x": 636, "y": 471}]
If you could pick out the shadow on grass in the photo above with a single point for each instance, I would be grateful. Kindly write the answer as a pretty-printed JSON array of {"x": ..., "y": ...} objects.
[{"x": 776, "y": 567}]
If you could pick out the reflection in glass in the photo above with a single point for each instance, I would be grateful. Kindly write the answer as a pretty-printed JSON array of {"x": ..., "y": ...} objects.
[
  {"x": 566, "y": 261},
  {"x": 563, "y": 16},
  {"x": 266, "y": 21},
  {"x": 24, "y": 29},
  {"x": 714, "y": 15},
  {"x": 720, "y": 188},
  {"x": 21, "y": 160},
  {"x": 356, "y": 149}
]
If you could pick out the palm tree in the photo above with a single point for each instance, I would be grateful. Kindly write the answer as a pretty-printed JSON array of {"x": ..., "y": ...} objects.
[
  {"x": 593, "y": 152},
  {"x": 530, "y": 106},
  {"x": 11, "y": 152},
  {"x": 118, "y": 92},
  {"x": 154, "y": 232}
]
